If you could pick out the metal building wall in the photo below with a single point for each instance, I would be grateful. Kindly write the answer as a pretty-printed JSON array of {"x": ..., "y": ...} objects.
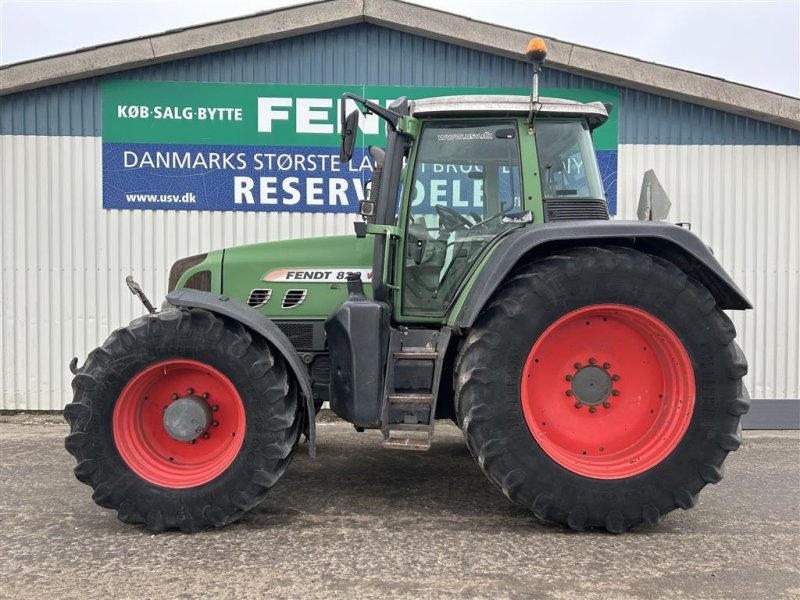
[
  {"x": 742, "y": 201},
  {"x": 64, "y": 258}
]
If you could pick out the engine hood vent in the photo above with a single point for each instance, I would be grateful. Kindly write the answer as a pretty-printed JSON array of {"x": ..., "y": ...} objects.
[
  {"x": 259, "y": 297},
  {"x": 571, "y": 209},
  {"x": 294, "y": 298}
]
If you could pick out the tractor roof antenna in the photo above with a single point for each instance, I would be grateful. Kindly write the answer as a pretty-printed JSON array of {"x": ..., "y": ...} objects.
[{"x": 536, "y": 53}]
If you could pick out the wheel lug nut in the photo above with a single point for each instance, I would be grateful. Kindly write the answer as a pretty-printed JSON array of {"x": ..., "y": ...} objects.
[
  {"x": 615, "y": 378},
  {"x": 577, "y": 365},
  {"x": 606, "y": 404},
  {"x": 568, "y": 378},
  {"x": 192, "y": 441},
  {"x": 578, "y": 404},
  {"x": 592, "y": 361},
  {"x": 190, "y": 391},
  {"x": 174, "y": 396},
  {"x": 205, "y": 395},
  {"x": 615, "y": 392},
  {"x": 206, "y": 436},
  {"x": 592, "y": 409},
  {"x": 568, "y": 392},
  {"x": 606, "y": 365},
  {"x": 215, "y": 407},
  {"x": 215, "y": 423}
]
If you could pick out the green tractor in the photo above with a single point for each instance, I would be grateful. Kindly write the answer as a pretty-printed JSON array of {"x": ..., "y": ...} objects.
[{"x": 588, "y": 362}]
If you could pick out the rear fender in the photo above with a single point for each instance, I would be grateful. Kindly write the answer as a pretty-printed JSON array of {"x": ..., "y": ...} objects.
[
  {"x": 261, "y": 325},
  {"x": 671, "y": 242}
]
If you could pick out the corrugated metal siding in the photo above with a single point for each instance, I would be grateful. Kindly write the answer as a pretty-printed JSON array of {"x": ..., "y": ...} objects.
[
  {"x": 743, "y": 202},
  {"x": 64, "y": 259},
  {"x": 368, "y": 55},
  {"x": 651, "y": 119}
]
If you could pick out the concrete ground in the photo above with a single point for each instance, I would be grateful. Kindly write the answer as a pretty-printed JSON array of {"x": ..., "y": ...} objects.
[{"x": 362, "y": 522}]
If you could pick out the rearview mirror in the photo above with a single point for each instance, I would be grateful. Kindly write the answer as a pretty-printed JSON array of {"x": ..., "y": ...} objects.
[
  {"x": 654, "y": 204},
  {"x": 349, "y": 131}
]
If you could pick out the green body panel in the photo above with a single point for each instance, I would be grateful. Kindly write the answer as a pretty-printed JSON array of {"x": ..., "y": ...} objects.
[
  {"x": 245, "y": 267},
  {"x": 213, "y": 263},
  {"x": 469, "y": 281}
]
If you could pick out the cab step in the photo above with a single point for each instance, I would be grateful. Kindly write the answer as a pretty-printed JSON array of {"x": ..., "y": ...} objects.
[
  {"x": 407, "y": 440},
  {"x": 425, "y": 399},
  {"x": 414, "y": 354},
  {"x": 412, "y": 386}
]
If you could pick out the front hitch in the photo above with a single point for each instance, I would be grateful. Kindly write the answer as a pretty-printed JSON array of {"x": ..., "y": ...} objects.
[{"x": 136, "y": 290}]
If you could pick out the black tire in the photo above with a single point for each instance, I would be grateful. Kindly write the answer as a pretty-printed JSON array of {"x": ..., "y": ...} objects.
[
  {"x": 490, "y": 365},
  {"x": 268, "y": 393}
]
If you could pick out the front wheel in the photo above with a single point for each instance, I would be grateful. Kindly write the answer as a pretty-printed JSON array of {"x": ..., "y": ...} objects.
[
  {"x": 601, "y": 388},
  {"x": 182, "y": 420}
]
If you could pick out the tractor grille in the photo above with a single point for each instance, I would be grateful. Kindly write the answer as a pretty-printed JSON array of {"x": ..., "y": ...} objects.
[
  {"x": 181, "y": 266},
  {"x": 300, "y": 334},
  {"x": 294, "y": 298},
  {"x": 199, "y": 281},
  {"x": 259, "y": 298},
  {"x": 570, "y": 209}
]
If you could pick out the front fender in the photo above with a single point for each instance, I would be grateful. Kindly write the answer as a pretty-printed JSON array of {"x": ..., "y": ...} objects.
[
  {"x": 671, "y": 242},
  {"x": 258, "y": 323}
]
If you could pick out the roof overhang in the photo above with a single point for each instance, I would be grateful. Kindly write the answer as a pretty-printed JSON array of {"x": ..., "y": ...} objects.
[
  {"x": 595, "y": 113},
  {"x": 394, "y": 14}
]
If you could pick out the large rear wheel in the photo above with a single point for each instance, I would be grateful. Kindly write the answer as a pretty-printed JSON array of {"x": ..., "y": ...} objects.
[
  {"x": 601, "y": 388},
  {"x": 182, "y": 420}
]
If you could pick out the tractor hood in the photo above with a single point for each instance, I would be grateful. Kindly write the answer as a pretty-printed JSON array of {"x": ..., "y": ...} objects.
[{"x": 296, "y": 279}]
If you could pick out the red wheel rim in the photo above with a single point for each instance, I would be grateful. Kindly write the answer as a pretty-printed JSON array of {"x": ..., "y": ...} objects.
[
  {"x": 146, "y": 446},
  {"x": 608, "y": 391}
]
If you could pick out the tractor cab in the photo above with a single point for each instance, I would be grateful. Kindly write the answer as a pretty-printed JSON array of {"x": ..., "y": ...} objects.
[
  {"x": 463, "y": 172},
  {"x": 480, "y": 171}
]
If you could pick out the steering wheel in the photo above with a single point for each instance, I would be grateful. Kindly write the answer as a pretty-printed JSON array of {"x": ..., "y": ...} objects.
[{"x": 450, "y": 219}]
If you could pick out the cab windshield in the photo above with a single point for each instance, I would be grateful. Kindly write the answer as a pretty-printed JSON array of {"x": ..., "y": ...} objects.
[
  {"x": 567, "y": 162},
  {"x": 466, "y": 191}
]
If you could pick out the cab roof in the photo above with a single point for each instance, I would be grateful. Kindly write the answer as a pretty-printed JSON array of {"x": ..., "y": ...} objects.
[{"x": 596, "y": 113}]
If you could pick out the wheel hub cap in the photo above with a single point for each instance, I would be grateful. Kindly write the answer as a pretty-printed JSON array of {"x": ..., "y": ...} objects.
[
  {"x": 591, "y": 385},
  {"x": 187, "y": 418}
]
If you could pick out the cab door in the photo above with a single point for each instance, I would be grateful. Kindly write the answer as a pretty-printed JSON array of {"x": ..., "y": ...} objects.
[{"x": 463, "y": 189}]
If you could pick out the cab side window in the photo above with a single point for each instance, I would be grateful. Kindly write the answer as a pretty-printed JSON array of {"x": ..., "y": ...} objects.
[{"x": 466, "y": 179}]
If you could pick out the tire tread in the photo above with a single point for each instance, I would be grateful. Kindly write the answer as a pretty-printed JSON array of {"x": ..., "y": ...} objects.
[
  {"x": 278, "y": 419},
  {"x": 542, "y": 281}
]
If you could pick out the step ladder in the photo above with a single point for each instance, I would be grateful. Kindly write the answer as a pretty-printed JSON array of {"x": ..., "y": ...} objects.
[{"x": 411, "y": 388}]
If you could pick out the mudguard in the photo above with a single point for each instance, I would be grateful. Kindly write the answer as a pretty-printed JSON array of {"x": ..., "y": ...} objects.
[
  {"x": 671, "y": 242},
  {"x": 255, "y": 321}
]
